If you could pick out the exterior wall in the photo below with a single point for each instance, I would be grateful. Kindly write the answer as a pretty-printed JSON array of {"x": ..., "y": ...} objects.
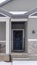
[
  {"x": 2, "y": 37},
  {"x": 2, "y": 31},
  {"x": 20, "y": 5},
  {"x": 32, "y": 37}
]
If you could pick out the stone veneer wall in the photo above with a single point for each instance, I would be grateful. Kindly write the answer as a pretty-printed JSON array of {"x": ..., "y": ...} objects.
[{"x": 32, "y": 47}]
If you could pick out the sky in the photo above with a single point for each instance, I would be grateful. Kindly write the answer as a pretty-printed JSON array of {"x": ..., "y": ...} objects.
[{"x": 19, "y": 63}]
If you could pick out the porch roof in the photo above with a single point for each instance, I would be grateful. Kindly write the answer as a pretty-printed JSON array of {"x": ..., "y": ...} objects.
[
  {"x": 25, "y": 15},
  {"x": 3, "y": 2},
  {"x": 1, "y": 15}
]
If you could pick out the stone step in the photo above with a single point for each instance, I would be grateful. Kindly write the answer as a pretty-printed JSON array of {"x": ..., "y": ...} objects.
[
  {"x": 19, "y": 55},
  {"x": 4, "y": 57}
]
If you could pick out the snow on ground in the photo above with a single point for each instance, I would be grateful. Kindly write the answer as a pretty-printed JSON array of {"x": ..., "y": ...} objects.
[
  {"x": 25, "y": 63},
  {"x": 19, "y": 63},
  {"x": 5, "y": 63}
]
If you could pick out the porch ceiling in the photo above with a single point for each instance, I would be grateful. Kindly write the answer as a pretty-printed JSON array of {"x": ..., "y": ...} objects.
[{"x": 18, "y": 16}]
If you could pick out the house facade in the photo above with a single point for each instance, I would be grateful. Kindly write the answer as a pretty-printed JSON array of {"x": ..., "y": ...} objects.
[{"x": 18, "y": 31}]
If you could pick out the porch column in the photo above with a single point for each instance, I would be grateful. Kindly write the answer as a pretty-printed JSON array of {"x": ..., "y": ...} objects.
[{"x": 8, "y": 36}]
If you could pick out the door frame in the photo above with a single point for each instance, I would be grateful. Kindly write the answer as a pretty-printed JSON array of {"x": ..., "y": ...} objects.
[{"x": 12, "y": 40}]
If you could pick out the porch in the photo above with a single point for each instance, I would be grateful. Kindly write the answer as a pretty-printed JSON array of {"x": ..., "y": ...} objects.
[{"x": 7, "y": 29}]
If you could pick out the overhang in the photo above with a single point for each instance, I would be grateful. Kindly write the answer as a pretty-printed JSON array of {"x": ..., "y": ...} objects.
[{"x": 3, "y": 2}]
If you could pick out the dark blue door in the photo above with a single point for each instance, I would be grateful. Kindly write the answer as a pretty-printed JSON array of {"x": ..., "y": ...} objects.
[{"x": 17, "y": 39}]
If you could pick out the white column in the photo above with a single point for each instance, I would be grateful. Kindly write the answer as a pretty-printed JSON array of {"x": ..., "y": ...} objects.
[{"x": 8, "y": 36}]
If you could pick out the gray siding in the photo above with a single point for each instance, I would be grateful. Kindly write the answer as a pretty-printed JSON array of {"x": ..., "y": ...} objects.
[
  {"x": 32, "y": 25},
  {"x": 2, "y": 37},
  {"x": 2, "y": 31},
  {"x": 32, "y": 45},
  {"x": 20, "y": 5}
]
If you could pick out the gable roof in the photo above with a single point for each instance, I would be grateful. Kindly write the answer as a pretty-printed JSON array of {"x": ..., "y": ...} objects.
[
  {"x": 31, "y": 11},
  {"x": 5, "y": 12},
  {"x": 25, "y": 15},
  {"x": 34, "y": 14},
  {"x": 1, "y": 15},
  {"x": 11, "y": 15}
]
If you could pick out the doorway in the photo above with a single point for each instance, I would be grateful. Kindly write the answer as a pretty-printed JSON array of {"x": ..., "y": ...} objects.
[
  {"x": 18, "y": 39},
  {"x": 18, "y": 36}
]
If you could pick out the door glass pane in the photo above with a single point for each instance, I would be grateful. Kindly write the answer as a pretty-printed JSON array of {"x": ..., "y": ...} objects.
[{"x": 17, "y": 40}]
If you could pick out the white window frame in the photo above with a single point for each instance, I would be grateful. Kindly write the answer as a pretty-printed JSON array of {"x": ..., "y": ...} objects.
[{"x": 23, "y": 39}]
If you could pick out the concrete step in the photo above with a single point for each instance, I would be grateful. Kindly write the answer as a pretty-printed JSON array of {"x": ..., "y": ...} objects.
[
  {"x": 19, "y": 55},
  {"x": 4, "y": 57}
]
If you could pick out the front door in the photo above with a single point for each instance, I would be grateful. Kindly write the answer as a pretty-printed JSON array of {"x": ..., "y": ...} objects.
[{"x": 17, "y": 40}]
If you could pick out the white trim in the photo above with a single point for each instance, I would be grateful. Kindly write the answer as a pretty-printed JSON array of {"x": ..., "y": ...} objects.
[
  {"x": 8, "y": 36},
  {"x": 33, "y": 13},
  {"x": 1, "y": 1},
  {"x": 15, "y": 20},
  {"x": 3, "y": 19},
  {"x": 4, "y": 2},
  {"x": 3, "y": 41},
  {"x": 12, "y": 36},
  {"x": 4, "y": 15},
  {"x": 30, "y": 16},
  {"x": 19, "y": 20},
  {"x": 18, "y": 29},
  {"x": 18, "y": 12},
  {"x": 32, "y": 40}
]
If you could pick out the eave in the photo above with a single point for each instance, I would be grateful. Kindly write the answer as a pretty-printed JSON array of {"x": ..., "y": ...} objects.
[{"x": 5, "y": 2}]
